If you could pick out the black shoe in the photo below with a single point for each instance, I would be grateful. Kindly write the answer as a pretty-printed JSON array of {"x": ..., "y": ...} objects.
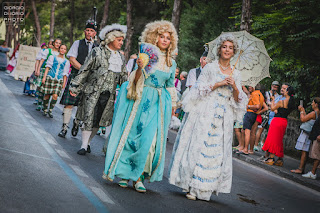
[
  {"x": 50, "y": 114},
  {"x": 103, "y": 131},
  {"x": 75, "y": 128},
  {"x": 82, "y": 152},
  {"x": 44, "y": 113},
  {"x": 38, "y": 108},
  {"x": 63, "y": 131},
  {"x": 88, "y": 149}
]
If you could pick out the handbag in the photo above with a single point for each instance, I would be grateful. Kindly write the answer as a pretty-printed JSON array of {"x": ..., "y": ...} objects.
[{"x": 307, "y": 126}]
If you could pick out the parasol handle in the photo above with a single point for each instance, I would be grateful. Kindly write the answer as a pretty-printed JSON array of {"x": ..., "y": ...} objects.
[{"x": 241, "y": 51}]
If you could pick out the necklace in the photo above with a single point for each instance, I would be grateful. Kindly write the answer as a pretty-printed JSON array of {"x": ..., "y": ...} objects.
[{"x": 224, "y": 68}]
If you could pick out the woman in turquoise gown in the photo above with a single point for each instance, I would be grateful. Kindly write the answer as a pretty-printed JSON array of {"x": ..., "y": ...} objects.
[{"x": 137, "y": 142}]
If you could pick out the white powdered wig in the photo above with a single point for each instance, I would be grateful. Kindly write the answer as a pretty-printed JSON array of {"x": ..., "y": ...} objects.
[
  {"x": 227, "y": 37},
  {"x": 110, "y": 28}
]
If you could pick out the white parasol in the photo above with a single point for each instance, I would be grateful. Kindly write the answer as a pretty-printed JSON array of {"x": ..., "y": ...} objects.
[{"x": 251, "y": 59}]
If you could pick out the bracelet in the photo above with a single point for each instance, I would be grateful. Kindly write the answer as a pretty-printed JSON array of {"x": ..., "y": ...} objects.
[{"x": 301, "y": 112}]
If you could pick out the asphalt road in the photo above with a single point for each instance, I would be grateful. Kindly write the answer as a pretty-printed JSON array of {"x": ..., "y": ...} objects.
[{"x": 41, "y": 172}]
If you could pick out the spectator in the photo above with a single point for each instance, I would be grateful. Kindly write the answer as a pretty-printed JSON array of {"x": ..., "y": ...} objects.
[
  {"x": 273, "y": 92},
  {"x": 195, "y": 72},
  {"x": 277, "y": 98},
  {"x": 303, "y": 142},
  {"x": 131, "y": 63},
  {"x": 274, "y": 141},
  {"x": 3, "y": 56},
  {"x": 254, "y": 104},
  {"x": 183, "y": 79},
  {"x": 315, "y": 149},
  {"x": 177, "y": 82},
  {"x": 253, "y": 143}
]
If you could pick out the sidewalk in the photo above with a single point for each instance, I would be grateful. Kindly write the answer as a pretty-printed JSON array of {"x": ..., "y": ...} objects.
[{"x": 289, "y": 163}]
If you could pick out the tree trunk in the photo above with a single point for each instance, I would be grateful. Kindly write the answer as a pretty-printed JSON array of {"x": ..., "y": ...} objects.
[
  {"x": 72, "y": 21},
  {"x": 37, "y": 23},
  {"x": 176, "y": 12},
  {"x": 105, "y": 14},
  {"x": 129, "y": 31},
  {"x": 53, "y": 5},
  {"x": 246, "y": 15}
]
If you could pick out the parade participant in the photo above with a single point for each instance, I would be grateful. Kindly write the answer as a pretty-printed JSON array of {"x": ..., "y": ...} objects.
[
  {"x": 278, "y": 126},
  {"x": 54, "y": 78},
  {"x": 194, "y": 73},
  {"x": 202, "y": 155},
  {"x": 137, "y": 142},
  {"x": 303, "y": 142},
  {"x": 77, "y": 54},
  {"x": 40, "y": 69},
  {"x": 97, "y": 79},
  {"x": 3, "y": 56},
  {"x": 13, "y": 60}
]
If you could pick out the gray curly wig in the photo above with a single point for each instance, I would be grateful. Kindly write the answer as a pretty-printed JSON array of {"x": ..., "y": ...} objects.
[
  {"x": 227, "y": 37},
  {"x": 110, "y": 37}
]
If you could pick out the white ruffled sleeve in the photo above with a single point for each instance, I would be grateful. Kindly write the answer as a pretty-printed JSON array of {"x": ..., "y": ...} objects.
[
  {"x": 239, "y": 107},
  {"x": 200, "y": 89},
  {"x": 135, "y": 90},
  {"x": 50, "y": 61}
]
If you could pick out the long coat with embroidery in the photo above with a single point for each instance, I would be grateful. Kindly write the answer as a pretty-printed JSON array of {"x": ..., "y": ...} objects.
[{"x": 93, "y": 78}]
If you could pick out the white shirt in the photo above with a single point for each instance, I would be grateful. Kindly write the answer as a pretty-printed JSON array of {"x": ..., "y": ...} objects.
[
  {"x": 178, "y": 87},
  {"x": 44, "y": 53},
  {"x": 115, "y": 61},
  {"x": 73, "y": 52},
  {"x": 130, "y": 65},
  {"x": 60, "y": 60},
  {"x": 192, "y": 77}
]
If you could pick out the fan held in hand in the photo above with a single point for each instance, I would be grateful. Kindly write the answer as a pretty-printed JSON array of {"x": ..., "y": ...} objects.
[{"x": 149, "y": 54}]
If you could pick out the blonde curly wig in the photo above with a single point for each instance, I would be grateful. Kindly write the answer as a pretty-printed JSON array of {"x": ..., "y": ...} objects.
[{"x": 151, "y": 35}]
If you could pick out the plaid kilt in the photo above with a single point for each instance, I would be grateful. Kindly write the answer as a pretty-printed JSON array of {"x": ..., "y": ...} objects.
[
  {"x": 51, "y": 86},
  {"x": 37, "y": 80},
  {"x": 67, "y": 99}
]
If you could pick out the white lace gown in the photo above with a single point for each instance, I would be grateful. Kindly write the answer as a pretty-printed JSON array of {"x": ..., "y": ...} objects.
[{"x": 202, "y": 155}]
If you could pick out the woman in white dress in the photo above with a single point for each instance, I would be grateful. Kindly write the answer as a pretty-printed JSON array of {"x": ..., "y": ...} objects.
[{"x": 202, "y": 155}]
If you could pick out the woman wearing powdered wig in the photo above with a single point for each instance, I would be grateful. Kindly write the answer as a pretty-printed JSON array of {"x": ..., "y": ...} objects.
[
  {"x": 137, "y": 143},
  {"x": 202, "y": 155}
]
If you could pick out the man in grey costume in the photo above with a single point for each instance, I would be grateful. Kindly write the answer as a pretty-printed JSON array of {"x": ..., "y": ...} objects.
[{"x": 97, "y": 79}]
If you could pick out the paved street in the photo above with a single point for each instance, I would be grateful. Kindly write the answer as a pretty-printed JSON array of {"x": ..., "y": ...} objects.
[{"x": 41, "y": 172}]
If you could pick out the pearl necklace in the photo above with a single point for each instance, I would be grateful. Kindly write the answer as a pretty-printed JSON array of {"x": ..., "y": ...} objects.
[{"x": 224, "y": 68}]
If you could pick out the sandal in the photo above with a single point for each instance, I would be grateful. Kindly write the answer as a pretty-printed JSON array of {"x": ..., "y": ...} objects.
[
  {"x": 279, "y": 162},
  {"x": 297, "y": 171},
  {"x": 138, "y": 185},
  {"x": 123, "y": 183},
  {"x": 269, "y": 162}
]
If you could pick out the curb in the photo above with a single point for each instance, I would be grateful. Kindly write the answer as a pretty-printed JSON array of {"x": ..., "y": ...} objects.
[{"x": 313, "y": 184}]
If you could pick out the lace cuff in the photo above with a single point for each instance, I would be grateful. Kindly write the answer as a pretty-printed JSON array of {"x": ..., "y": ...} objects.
[
  {"x": 173, "y": 93},
  {"x": 135, "y": 90},
  {"x": 204, "y": 90}
]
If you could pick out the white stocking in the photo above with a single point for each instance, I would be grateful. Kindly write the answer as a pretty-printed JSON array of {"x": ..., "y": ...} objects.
[
  {"x": 85, "y": 139},
  {"x": 67, "y": 115}
]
